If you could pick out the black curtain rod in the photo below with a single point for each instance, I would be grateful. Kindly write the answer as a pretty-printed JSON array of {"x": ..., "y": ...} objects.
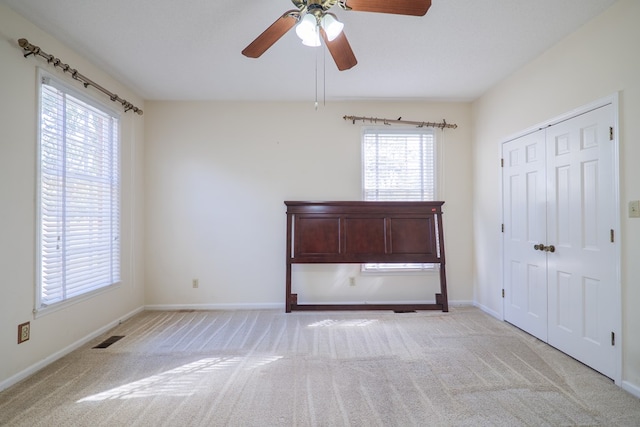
[{"x": 35, "y": 50}]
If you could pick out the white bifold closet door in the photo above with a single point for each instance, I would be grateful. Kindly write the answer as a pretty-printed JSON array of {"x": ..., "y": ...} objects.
[{"x": 560, "y": 254}]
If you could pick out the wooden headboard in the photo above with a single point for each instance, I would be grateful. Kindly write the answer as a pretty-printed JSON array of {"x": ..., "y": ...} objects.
[{"x": 365, "y": 232}]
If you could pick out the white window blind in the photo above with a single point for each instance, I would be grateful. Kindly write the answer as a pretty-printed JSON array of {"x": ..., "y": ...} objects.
[
  {"x": 398, "y": 165},
  {"x": 79, "y": 197}
]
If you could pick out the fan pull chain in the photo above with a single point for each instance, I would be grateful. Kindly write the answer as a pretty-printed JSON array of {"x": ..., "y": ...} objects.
[
  {"x": 316, "y": 103},
  {"x": 324, "y": 77}
]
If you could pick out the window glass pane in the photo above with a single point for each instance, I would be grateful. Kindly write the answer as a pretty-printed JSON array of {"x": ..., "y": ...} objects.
[
  {"x": 79, "y": 196},
  {"x": 398, "y": 165}
]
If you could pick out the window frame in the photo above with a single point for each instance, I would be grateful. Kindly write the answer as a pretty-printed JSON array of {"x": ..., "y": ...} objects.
[
  {"x": 407, "y": 268},
  {"x": 41, "y": 307}
]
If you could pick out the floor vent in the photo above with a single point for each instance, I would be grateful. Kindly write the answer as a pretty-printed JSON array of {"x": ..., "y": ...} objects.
[
  {"x": 106, "y": 343},
  {"x": 404, "y": 311}
]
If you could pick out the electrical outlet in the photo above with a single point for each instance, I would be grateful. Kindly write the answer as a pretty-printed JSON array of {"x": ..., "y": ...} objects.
[
  {"x": 24, "y": 331},
  {"x": 352, "y": 281},
  {"x": 634, "y": 209},
  {"x": 195, "y": 283}
]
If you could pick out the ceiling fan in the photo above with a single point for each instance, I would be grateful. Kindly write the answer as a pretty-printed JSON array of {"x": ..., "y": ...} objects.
[{"x": 314, "y": 21}]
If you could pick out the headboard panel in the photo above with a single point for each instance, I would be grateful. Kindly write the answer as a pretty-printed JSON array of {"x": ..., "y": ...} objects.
[{"x": 365, "y": 232}]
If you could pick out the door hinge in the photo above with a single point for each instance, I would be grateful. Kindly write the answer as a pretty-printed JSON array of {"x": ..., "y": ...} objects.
[
  {"x": 610, "y": 133},
  {"x": 501, "y": 163},
  {"x": 612, "y": 236},
  {"x": 613, "y": 338},
  {"x": 502, "y": 228},
  {"x": 503, "y": 293}
]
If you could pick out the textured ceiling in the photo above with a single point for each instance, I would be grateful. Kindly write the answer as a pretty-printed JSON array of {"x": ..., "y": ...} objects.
[{"x": 190, "y": 50}]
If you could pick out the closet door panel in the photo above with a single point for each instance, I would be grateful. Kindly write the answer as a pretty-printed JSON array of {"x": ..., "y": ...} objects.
[
  {"x": 581, "y": 203},
  {"x": 524, "y": 202}
]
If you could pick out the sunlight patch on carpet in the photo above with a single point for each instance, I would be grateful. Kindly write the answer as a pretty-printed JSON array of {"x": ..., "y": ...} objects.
[
  {"x": 343, "y": 323},
  {"x": 182, "y": 381}
]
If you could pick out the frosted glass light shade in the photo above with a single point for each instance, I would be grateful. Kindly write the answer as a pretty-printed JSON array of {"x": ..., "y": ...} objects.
[
  {"x": 307, "y": 30},
  {"x": 312, "y": 41},
  {"x": 332, "y": 27}
]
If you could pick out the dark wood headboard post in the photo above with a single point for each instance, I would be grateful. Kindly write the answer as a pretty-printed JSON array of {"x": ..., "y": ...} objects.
[
  {"x": 365, "y": 232},
  {"x": 288, "y": 300}
]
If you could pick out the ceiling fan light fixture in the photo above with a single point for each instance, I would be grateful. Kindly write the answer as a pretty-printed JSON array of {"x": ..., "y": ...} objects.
[
  {"x": 307, "y": 30},
  {"x": 331, "y": 26}
]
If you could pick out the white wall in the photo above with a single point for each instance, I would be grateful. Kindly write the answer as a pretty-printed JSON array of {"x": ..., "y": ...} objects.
[
  {"x": 217, "y": 175},
  {"x": 596, "y": 61},
  {"x": 53, "y": 333}
]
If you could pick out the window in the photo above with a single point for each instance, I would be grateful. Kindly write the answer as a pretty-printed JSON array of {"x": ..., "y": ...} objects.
[
  {"x": 79, "y": 195},
  {"x": 398, "y": 165}
]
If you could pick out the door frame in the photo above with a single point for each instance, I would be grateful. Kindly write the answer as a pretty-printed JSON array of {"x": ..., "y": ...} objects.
[{"x": 614, "y": 100}]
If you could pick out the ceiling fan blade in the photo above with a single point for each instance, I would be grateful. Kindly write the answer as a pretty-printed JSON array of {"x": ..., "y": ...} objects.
[
  {"x": 271, "y": 35},
  {"x": 399, "y": 7},
  {"x": 340, "y": 51}
]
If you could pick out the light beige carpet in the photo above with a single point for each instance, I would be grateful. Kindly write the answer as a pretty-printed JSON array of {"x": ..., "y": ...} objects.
[{"x": 268, "y": 368}]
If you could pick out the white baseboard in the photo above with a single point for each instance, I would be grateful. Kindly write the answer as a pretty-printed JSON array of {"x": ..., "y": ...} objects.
[
  {"x": 234, "y": 306},
  {"x": 461, "y": 303},
  {"x": 63, "y": 352},
  {"x": 631, "y": 388},
  {"x": 277, "y": 305},
  {"x": 488, "y": 311}
]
